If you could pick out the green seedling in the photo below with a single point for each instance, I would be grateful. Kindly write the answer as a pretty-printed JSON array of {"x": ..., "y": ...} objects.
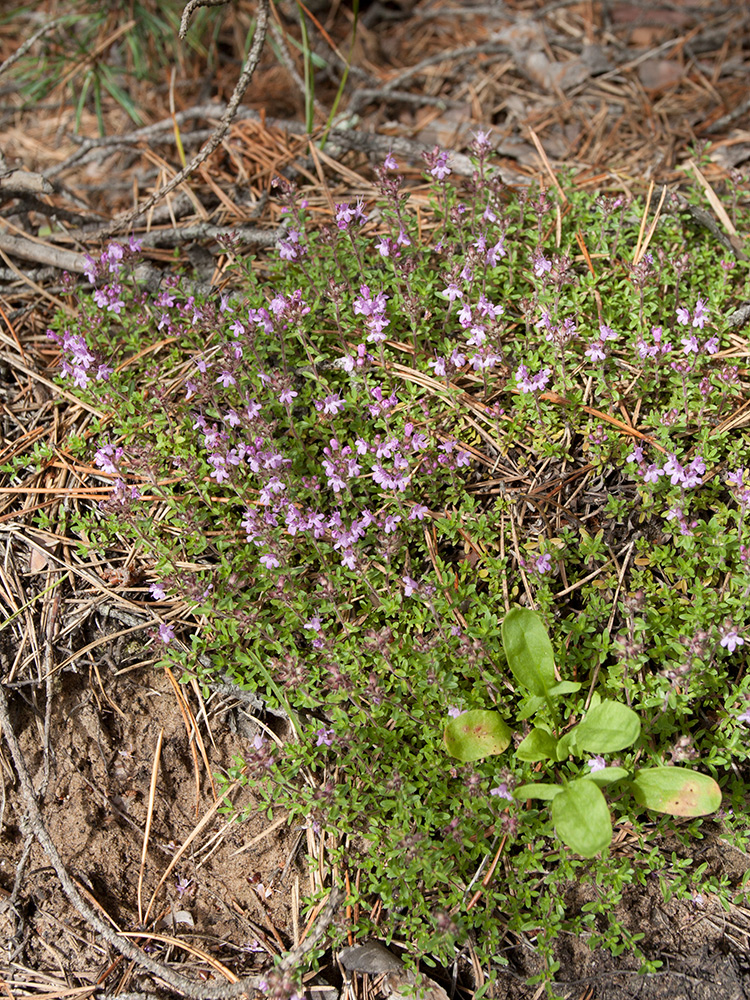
[{"x": 579, "y": 810}]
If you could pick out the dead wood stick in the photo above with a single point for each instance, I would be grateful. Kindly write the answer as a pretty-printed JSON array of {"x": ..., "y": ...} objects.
[
  {"x": 243, "y": 83},
  {"x": 43, "y": 253},
  {"x": 24, "y": 182}
]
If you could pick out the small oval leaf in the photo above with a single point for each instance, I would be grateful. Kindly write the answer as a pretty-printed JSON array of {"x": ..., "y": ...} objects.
[
  {"x": 607, "y": 775},
  {"x": 564, "y": 687},
  {"x": 677, "y": 791},
  {"x": 582, "y": 819},
  {"x": 529, "y": 651},
  {"x": 607, "y": 727},
  {"x": 538, "y": 745},
  {"x": 476, "y": 734},
  {"x": 538, "y": 791}
]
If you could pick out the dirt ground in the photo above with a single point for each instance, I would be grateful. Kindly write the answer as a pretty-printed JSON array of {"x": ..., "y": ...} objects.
[{"x": 617, "y": 92}]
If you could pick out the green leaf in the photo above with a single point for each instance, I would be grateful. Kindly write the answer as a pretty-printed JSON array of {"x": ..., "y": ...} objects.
[
  {"x": 529, "y": 651},
  {"x": 677, "y": 791},
  {"x": 476, "y": 734},
  {"x": 567, "y": 744},
  {"x": 607, "y": 775},
  {"x": 564, "y": 687},
  {"x": 529, "y": 706},
  {"x": 581, "y": 818},
  {"x": 538, "y": 745},
  {"x": 607, "y": 727},
  {"x": 538, "y": 791}
]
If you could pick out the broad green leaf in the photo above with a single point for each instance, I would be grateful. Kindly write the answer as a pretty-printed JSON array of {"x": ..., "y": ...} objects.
[
  {"x": 567, "y": 744},
  {"x": 529, "y": 706},
  {"x": 677, "y": 791},
  {"x": 539, "y": 791},
  {"x": 538, "y": 745},
  {"x": 476, "y": 734},
  {"x": 607, "y": 727},
  {"x": 582, "y": 819},
  {"x": 607, "y": 775},
  {"x": 564, "y": 687},
  {"x": 529, "y": 651}
]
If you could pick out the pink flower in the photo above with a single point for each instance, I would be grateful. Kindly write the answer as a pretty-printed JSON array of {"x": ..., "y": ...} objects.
[
  {"x": 166, "y": 632},
  {"x": 501, "y": 792},
  {"x": 731, "y": 640},
  {"x": 532, "y": 383},
  {"x": 700, "y": 315}
]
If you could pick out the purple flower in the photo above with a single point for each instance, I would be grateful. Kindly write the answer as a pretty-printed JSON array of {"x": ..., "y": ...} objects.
[
  {"x": 700, "y": 315},
  {"x": 597, "y": 763},
  {"x": 332, "y": 404},
  {"x": 90, "y": 268},
  {"x": 501, "y": 792},
  {"x": 455, "y": 712},
  {"x": 107, "y": 457},
  {"x": 674, "y": 470},
  {"x": 157, "y": 591},
  {"x": 481, "y": 144},
  {"x": 287, "y": 395},
  {"x": 745, "y": 716},
  {"x": 452, "y": 291},
  {"x": 543, "y": 563},
  {"x": 595, "y": 351},
  {"x": 731, "y": 640},
  {"x": 114, "y": 255},
  {"x": 441, "y": 170},
  {"x": 269, "y": 560},
  {"x": 712, "y": 345},
  {"x": 410, "y": 585},
  {"x": 166, "y": 632},
  {"x": 690, "y": 344},
  {"x": 389, "y": 163},
  {"x": 527, "y": 383},
  {"x": 182, "y": 885},
  {"x": 652, "y": 473},
  {"x": 541, "y": 264},
  {"x": 325, "y": 737}
]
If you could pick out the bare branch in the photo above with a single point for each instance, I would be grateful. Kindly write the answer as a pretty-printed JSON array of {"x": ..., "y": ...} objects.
[
  {"x": 223, "y": 127},
  {"x": 191, "y": 6}
]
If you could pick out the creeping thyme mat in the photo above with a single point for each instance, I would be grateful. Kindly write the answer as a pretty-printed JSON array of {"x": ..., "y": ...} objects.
[{"x": 401, "y": 429}]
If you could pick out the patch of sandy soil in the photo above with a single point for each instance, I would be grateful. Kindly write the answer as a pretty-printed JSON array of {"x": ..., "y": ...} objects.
[{"x": 238, "y": 877}]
